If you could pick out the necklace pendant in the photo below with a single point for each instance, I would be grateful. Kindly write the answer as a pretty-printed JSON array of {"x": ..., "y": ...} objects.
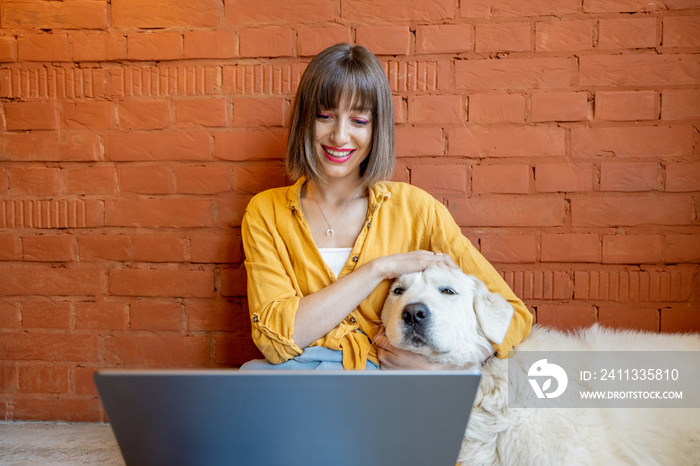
[{"x": 330, "y": 232}]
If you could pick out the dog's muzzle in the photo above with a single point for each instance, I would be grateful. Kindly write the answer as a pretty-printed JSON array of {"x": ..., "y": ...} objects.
[{"x": 415, "y": 317}]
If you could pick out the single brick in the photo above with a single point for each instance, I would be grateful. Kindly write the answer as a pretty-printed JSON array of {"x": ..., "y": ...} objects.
[
  {"x": 435, "y": 109},
  {"x": 629, "y": 177},
  {"x": 631, "y": 249},
  {"x": 681, "y": 31},
  {"x": 571, "y": 247},
  {"x": 563, "y": 177},
  {"x": 512, "y": 249},
  {"x": 627, "y": 33},
  {"x": 503, "y": 37},
  {"x": 440, "y": 178},
  {"x": 268, "y": 41},
  {"x": 559, "y": 106},
  {"x": 563, "y": 35},
  {"x": 626, "y": 105},
  {"x": 501, "y": 178},
  {"x": 497, "y": 108},
  {"x": 385, "y": 40},
  {"x": 445, "y": 38}
]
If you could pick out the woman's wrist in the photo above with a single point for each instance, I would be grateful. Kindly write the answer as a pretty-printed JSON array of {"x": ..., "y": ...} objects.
[{"x": 377, "y": 270}]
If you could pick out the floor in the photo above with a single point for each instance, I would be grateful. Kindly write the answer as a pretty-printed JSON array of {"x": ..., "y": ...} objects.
[{"x": 34, "y": 443}]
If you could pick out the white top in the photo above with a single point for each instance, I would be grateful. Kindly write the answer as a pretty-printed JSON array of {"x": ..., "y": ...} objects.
[{"x": 335, "y": 258}]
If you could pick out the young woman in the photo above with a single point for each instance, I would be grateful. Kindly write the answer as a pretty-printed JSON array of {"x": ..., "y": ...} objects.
[{"x": 320, "y": 254}]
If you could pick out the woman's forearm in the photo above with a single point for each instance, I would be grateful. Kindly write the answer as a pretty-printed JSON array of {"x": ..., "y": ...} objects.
[{"x": 322, "y": 311}]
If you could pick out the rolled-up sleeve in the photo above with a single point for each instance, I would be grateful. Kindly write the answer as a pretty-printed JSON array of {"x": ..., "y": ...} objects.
[
  {"x": 447, "y": 237},
  {"x": 273, "y": 298}
]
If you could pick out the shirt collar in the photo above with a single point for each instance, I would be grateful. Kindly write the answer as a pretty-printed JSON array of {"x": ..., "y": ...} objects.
[
  {"x": 294, "y": 194},
  {"x": 378, "y": 194}
]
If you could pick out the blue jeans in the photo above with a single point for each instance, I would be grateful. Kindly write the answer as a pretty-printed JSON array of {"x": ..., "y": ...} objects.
[{"x": 313, "y": 358}]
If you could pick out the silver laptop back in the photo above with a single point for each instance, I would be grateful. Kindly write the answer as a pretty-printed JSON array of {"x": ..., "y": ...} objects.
[{"x": 281, "y": 418}]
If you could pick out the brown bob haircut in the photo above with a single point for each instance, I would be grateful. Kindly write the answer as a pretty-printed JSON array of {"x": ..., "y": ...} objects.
[{"x": 342, "y": 71}]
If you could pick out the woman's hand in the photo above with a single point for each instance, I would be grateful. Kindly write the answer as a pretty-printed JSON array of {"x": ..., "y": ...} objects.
[
  {"x": 391, "y": 357},
  {"x": 395, "y": 265}
]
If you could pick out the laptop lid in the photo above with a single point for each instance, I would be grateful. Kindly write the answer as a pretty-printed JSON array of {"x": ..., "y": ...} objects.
[{"x": 288, "y": 418}]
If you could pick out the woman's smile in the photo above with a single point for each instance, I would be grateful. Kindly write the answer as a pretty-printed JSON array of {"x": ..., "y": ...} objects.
[{"x": 337, "y": 155}]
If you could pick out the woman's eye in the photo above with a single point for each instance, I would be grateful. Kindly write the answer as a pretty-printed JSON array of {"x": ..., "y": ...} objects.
[
  {"x": 360, "y": 122},
  {"x": 448, "y": 291},
  {"x": 398, "y": 290},
  {"x": 323, "y": 116}
]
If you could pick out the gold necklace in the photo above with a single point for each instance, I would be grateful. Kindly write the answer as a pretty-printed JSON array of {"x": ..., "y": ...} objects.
[{"x": 330, "y": 231}]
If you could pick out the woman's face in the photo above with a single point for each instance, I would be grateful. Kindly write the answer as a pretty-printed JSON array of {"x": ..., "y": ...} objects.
[{"x": 343, "y": 140}]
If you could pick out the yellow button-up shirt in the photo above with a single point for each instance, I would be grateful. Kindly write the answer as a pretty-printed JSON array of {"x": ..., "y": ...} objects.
[{"x": 283, "y": 265}]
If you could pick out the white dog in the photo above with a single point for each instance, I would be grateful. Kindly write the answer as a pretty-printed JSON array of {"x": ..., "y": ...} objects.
[{"x": 451, "y": 318}]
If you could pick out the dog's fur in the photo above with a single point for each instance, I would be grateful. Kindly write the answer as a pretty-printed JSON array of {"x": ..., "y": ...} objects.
[{"x": 459, "y": 318}]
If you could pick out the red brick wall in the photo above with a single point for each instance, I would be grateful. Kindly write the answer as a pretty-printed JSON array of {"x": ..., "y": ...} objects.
[{"x": 563, "y": 136}]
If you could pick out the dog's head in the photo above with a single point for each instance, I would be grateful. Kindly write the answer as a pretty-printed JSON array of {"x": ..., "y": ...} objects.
[{"x": 446, "y": 316}]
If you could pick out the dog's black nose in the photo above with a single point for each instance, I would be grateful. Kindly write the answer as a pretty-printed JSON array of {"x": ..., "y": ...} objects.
[{"x": 414, "y": 314}]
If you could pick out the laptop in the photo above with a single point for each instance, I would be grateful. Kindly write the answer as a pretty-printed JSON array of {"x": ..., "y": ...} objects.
[{"x": 288, "y": 418}]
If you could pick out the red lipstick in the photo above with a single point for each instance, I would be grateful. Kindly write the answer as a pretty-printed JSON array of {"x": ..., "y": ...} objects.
[{"x": 337, "y": 155}]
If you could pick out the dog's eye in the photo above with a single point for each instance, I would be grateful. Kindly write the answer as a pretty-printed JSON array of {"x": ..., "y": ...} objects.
[
  {"x": 397, "y": 290},
  {"x": 448, "y": 291}
]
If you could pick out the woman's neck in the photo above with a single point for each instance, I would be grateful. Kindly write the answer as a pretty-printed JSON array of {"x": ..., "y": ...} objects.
[{"x": 335, "y": 192}]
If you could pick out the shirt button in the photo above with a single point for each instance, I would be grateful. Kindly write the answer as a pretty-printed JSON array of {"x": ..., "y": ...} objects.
[
  {"x": 355, "y": 258},
  {"x": 353, "y": 320}
]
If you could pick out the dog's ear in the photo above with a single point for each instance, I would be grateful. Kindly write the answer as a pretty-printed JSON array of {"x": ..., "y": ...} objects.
[{"x": 492, "y": 311}]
